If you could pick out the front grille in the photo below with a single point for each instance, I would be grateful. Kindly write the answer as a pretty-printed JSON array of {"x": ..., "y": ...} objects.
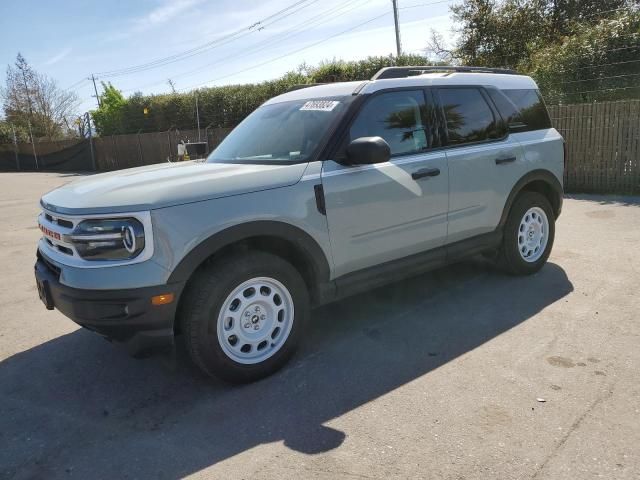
[
  {"x": 59, "y": 228},
  {"x": 60, "y": 221},
  {"x": 60, "y": 248}
]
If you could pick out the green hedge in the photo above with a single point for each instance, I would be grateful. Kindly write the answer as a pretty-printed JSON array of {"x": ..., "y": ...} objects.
[{"x": 224, "y": 106}]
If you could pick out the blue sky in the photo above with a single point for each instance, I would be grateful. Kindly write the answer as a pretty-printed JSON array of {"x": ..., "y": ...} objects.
[{"x": 71, "y": 39}]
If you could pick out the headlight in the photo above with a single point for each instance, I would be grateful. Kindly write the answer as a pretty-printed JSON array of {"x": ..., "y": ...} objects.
[{"x": 108, "y": 239}]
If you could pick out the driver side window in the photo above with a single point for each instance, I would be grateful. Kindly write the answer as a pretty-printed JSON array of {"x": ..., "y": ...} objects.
[{"x": 401, "y": 118}]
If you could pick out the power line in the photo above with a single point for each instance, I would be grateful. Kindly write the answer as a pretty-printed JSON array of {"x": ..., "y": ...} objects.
[
  {"x": 607, "y": 64},
  {"x": 256, "y": 26},
  {"x": 425, "y": 4},
  {"x": 601, "y": 90},
  {"x": 593, "y": 66},
  {"x": 288, "y": 54},
  {"x": 200, "y": 48},
  {"x": 564, "y": 82},
  {"x": 71, "y": 87},
  {"x": 314, "y": 21}
]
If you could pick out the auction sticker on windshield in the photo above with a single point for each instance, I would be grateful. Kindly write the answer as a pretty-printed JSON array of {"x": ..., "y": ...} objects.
[{"x": 320, "y": 105}]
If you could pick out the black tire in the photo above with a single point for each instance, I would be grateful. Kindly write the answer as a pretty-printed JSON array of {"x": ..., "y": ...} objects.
[
  {"x": 205, "y": 296},
  {"x": 509, "y": 257}
]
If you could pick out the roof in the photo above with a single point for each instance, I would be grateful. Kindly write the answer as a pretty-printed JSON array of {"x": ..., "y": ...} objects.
[
  {"x": 318, "y": 91},
  {"x": 500, "y": 80}
]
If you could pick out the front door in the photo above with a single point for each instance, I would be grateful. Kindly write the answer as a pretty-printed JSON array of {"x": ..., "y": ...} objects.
[{"x": 382, "y": 212}]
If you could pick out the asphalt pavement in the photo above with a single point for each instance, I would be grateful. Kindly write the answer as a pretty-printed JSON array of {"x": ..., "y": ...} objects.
[{"x": 463, "y": 373}]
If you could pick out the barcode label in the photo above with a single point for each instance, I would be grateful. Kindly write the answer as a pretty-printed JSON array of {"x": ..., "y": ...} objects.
[{"x": 320, "y": 105}]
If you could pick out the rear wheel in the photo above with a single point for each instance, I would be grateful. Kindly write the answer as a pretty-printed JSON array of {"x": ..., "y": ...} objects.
[
  {"x": 528, "y": 234},
  {"x": 243, "y": 317}
]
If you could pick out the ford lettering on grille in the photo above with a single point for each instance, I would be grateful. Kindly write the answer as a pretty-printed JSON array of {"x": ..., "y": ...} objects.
[{"x": 48, "y": 232}]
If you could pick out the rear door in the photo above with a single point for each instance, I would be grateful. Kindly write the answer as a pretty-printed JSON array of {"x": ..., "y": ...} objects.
[
  {"x": 484, "y": 162},
  {"x": 382, "y": 212}
]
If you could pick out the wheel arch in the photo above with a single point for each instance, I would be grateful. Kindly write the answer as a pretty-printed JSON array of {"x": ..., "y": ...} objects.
[
  {"x": 541, "y": 181},
  {"x": 280, "y": 238}
]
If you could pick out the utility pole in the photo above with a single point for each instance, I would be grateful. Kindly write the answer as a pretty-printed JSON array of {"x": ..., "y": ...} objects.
[
  {"x": 33, "y": 145},
  {"x": 198, "y": 116},
  {"x": 395, "y": 19},
  {"x": 95, "y": 89},
  {"x": 87, "y": 119}
]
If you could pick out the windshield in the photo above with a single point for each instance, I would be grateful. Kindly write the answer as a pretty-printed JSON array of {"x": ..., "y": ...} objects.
[{"x": 287, "y": 132}]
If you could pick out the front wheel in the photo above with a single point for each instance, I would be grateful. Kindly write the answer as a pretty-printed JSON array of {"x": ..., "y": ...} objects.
[
  {"x": 242, "y": 317},
  {"x": 528, "y": 234}
]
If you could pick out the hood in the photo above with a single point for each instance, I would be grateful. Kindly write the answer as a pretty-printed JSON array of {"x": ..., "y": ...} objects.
[{"x": 166, "y": 184}]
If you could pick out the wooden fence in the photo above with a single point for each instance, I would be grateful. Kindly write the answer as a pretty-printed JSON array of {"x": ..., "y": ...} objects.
[
  {"x": 72, "y": 155},
  {"x": 133, "y": 150},
  {"x": 603, "y": 146}
]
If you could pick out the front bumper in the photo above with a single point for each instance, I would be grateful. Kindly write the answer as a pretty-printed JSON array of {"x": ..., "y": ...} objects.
[{"x": 126, "y": 316}]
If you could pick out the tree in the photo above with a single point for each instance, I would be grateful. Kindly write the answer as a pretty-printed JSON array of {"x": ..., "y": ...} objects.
[
  {"x": 576, "y": 50},
  {"x": 598, "y": 62},
  {"x": 108, "y": 118},
  {"x": 506, "y": 33},
  {"x": 31, "y": 97},
  {"x": 436, "y": 47},
  {"x": 7, "y": 130}
]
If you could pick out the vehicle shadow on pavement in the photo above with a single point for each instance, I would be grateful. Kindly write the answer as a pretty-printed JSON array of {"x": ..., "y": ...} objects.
[{"x": 78, "y": 405}]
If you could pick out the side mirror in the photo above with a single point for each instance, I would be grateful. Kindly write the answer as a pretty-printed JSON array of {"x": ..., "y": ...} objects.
[{"x": 368, "y": 150}]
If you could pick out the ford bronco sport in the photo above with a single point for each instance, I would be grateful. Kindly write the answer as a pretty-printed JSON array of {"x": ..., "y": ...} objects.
[{"x": 321, "y": 192}]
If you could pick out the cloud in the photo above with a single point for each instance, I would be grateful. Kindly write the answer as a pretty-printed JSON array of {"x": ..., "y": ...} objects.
[
  {"x": 167, "y": 11},
  {"x": 59, "y": 56}
]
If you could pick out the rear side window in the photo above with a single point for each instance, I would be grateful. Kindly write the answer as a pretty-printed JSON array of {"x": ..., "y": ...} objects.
[
  {"x": 468, "y": 116},
  {"x": 398, "y": 117},
  {"x": 532, "y": 114}
]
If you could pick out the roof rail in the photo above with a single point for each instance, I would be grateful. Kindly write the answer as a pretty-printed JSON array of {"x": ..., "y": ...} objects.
[{"x": 403, "y": 72}]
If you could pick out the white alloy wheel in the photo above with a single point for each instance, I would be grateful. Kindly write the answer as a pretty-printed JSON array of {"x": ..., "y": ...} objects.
[
  {"x": 255, "y": 320},
  {"x": 533, "y": 234}
]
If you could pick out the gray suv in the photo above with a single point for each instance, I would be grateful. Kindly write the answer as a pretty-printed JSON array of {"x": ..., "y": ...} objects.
[{"x": 320, "y": 193}]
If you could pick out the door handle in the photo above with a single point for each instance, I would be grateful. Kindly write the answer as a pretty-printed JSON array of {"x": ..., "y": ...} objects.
[
  {"x": 425, "y": 172},
  {"x": 501, "y": 161}
]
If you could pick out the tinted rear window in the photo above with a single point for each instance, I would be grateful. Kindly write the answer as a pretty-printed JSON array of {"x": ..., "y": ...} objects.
[
  {"x": 522, "y": 109},
  {"x": 469, "y": 117}
]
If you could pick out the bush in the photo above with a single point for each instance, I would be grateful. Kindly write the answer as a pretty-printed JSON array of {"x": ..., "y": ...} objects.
[{"x": 223, "y": 106}]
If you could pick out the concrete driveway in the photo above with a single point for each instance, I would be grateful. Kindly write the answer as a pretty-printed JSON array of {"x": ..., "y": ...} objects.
[{"x": 435, "y": 377}]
